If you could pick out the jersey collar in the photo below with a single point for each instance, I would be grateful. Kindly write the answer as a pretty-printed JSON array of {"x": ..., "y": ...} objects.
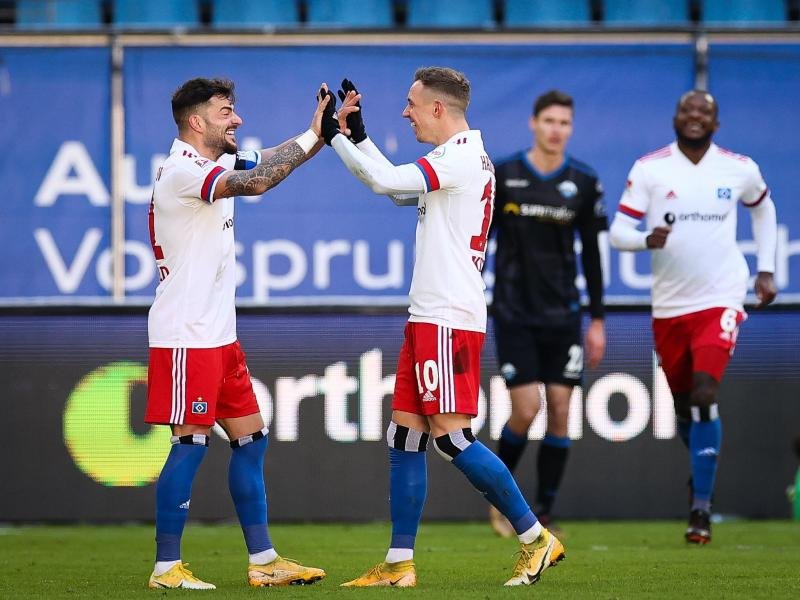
[
  {"x": 544, "y": 176},
  {"x": 179, "y": 146}
]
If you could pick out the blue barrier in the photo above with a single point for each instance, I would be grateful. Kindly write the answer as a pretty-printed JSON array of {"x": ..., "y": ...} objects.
[{"x": 320, "y": 237}]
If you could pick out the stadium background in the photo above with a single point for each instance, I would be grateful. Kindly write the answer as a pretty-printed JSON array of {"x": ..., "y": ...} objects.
[{"x": 86, "y": 120}]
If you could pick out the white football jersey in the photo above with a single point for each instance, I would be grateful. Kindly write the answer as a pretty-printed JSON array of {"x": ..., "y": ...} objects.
[
  {"x": 701, "y": 265},
  {"x": 193, "y": 242},
  {"x": 454, "y": 213}
]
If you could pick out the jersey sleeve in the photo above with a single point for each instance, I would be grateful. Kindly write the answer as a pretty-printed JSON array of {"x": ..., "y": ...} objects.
[
  {"x": 379, "y": 177},
  {"x": 635, "y": 199},
  {"x": 441, "y": 169},
  {"x": 196, "y": 179},
  {"x": 593, "y": 214},
  {"x": 755, "y": 188}
]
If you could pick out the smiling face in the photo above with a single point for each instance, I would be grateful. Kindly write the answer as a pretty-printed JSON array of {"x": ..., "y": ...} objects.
[
  {"x": 552, "y": 128},
  {"x": 220, "y": 123},
  {"x": 420, "y": 112},
  {"x": 695, "y": 119}
]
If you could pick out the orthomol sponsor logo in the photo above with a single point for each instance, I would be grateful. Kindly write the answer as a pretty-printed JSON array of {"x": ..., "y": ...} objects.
[
  {"x": 703, "y": 217},
  {"x": 102, "y": 443}
]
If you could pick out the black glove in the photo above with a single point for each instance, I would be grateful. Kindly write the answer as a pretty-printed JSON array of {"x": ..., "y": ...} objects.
[
  {"x": 330, "y": 125},
  {"x": 355, "y": 121}
]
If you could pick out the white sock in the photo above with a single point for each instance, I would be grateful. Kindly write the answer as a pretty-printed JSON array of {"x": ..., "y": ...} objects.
[
  {"x": 264, "y": 557},
  {"x": 397, "y": 554},
  {"x": 529, "y": 535},
  {"x": 163, "y": 566}
]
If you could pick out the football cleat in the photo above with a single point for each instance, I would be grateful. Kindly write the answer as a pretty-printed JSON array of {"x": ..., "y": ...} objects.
[
  {"x": 179, "y": 577},
  {"x": 545, "y": 551},
  {"x": 282, "y": 571},
  {"x": 398, "y": 574},
  {"x": 699, "y": 529},
  {"x": 499, "y": 523}
]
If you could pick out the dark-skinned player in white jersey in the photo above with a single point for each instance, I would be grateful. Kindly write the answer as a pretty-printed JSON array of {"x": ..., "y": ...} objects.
[
  {"x": 687, "y": 193},
  {"x": 545, "y": 197}
]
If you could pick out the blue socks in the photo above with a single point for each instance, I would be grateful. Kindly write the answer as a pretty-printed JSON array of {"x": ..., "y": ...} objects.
[
  {"x": 408, "y": 488},
  {"x": 705, "y": 439},
  {"x": 491, "y": 477},
  {"x": 246, "y": 484},
  {"x": 173, "y": 492}
]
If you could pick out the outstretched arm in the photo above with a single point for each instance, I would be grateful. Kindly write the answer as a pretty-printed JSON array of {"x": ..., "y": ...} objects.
[
  {"x": 353, "y": 126},
  {"x": 381, "y": 177},
  {"x": 377, "y": 176},
  {"x": 276, "y": 163}
]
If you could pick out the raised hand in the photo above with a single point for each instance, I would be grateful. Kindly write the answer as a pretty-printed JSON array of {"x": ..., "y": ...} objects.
[
  {"x": 325, "y": 117},
  {"x": 353, "y": 120}
]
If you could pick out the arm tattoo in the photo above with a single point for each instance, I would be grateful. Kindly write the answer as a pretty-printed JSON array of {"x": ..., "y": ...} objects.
[{"x": 266, "y": 174}]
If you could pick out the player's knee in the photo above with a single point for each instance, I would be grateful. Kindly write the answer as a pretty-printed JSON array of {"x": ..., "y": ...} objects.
[
  {"x": 524, "y": 415},
  {"x": 704, "y": 396},
  {"x": 451, "y": 444},
  {"x": 404, "y": 438}
]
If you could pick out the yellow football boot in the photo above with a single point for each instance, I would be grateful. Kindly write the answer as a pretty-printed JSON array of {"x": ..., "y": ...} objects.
[
  {"x": 179, "y": 577},
  {"x": 282, "y": 571},
  {"x": 398, "y": 574},
  {"x": 545, "y": 551}
]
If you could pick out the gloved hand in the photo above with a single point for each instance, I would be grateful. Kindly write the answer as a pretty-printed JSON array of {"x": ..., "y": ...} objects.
[
  {"x": 355, "y": 120},
  {"x": 329, "y": 127}
]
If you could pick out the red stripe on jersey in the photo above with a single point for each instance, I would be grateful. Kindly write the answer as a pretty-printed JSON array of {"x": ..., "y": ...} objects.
[
  {"x": 210, "y": 178},
  {"x": 660, "y": 153},
  {"x": 759, "y": 200},
  {"x": 732, "y": 154},
  {"x": 157, "y": 251},
  {"x": 431, "y": 176},
  {"x": 631, "y": 212}
]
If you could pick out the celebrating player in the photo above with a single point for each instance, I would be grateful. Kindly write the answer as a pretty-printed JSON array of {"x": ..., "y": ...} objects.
[
  {"x": 688, "y": 192},
  {"x": 543, "y": 198},
  {"x": 438, "y": 372},
  {"x": 198, "y": 374}
]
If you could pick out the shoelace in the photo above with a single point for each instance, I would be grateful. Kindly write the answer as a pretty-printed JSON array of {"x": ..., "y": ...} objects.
[
  {"x": 525, "y": 556},
  {"x": 185, "y": 571}
]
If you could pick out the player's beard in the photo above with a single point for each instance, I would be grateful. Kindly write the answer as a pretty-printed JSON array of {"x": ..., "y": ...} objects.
[
  {"x": 700, "y": 142},
  {"x": 219, "y": 142}
]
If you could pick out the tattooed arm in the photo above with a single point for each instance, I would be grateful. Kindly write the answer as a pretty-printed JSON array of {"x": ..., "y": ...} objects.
[
  {"x": 276, "y": 163},
  {"x": 267, "y": 153},
  {"x": 267, "y": 174}
]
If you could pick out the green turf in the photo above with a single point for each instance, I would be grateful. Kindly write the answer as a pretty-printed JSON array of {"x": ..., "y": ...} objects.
[{"x": 747, "y": 559}]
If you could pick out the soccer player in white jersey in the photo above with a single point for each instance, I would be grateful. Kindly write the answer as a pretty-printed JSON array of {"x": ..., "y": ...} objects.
[
  {"x": 438, "y": 371},
  {"x": 688, "y": 193},
  {"x": 198, "y": 374}
]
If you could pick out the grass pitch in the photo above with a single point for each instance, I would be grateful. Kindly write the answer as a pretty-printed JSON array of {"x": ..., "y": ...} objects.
[{"x": 747, "y": 559}]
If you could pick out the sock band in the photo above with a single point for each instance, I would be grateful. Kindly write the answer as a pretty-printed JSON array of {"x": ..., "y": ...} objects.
[
  {"x": 247, "y": 439},
  {"x": 703, "y": 413},
  {"x": 400, "y": 437},
  {"x": 191, "y": 439},
  {"x": 450, "y": 445}
]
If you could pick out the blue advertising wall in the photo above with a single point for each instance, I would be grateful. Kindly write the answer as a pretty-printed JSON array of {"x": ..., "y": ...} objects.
[{"x": 320, "y": 237}]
